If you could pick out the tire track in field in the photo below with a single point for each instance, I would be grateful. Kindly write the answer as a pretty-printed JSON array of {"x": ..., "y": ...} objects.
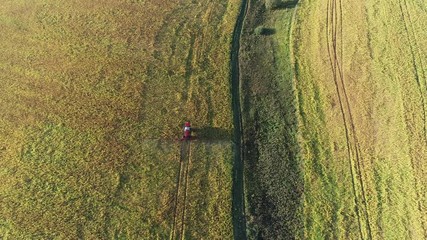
[
  {"x": 329, "y": 17},
  {"x": 238, "y": 192},
  {"x": 178, "y": 185},
  {"x": 418, "y": 70},
  {"x": 184, "y": 210},
  {"x": 182, "y": 183},
  {"x": 334, "y": 24}
]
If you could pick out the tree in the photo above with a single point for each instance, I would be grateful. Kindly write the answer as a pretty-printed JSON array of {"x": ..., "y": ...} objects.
[{"x": 272, "y": 4}]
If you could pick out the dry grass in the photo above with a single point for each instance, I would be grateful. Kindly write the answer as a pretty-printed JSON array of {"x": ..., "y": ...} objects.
[
  {"x": 364, "y": 136},
  {"x": 92, "y": 97}
]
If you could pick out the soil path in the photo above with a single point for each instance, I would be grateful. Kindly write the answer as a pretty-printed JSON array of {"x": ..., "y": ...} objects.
[{"x": 238, "y": 205}]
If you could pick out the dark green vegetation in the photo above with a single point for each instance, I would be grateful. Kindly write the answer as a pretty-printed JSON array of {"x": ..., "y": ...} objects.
[
  {"x": 93, "y": 97},
  {"x": 239, "y": 220},
  {"x": 274, "y": 181}
]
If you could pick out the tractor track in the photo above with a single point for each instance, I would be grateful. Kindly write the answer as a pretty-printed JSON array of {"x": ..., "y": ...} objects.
[
  {"x": 185, "y": 192},
  {"x": 238, "y": 192},
  {"x": 416, "y": 54},
  {"x": 178, "y": 184},
  {"x": 182, "y": 183},
  {"x": 334, "y": 24}
]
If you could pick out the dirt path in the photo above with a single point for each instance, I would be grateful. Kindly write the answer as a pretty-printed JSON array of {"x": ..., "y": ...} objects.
[
  {"x": 178, "y": 225},
  {"x": 238, "y": 205}
]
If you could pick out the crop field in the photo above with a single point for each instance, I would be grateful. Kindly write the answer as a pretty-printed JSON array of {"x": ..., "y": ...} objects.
[
  {"x": 93, "y": 96},
  {"x": 335, "y": 120},
  {"x": 362, "y": 98},
  {"x": 310, "y": 118}
]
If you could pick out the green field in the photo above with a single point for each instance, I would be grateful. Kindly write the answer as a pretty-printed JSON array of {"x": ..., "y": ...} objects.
[
  {"x": 274, "y": 181},
  {"x": 93, "y": 96},
  {"x": 326, "y": 99}
]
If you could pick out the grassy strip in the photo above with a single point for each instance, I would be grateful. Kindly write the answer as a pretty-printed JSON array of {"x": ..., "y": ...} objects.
[{"x": 273, "y": 171}]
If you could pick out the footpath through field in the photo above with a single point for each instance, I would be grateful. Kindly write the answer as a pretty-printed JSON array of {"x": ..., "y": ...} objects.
[{"x": 238, "y": 205}]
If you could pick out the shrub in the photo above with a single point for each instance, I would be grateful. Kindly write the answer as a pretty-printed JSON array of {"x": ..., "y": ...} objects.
[
  {"x": 276, "y": 4},
  {"x": 272, "y": 4},
  {"x": 259, "y": 30}
]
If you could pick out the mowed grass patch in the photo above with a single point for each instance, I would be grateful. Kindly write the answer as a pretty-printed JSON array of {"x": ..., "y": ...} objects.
[{"x": 93, "y": 98}]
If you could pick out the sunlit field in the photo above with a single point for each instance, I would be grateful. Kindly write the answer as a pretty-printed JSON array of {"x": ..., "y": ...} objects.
[{"x": 93, "y": 98}]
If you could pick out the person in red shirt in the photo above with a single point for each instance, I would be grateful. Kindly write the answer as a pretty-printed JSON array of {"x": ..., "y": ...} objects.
[{"x": 187, "y": 131}]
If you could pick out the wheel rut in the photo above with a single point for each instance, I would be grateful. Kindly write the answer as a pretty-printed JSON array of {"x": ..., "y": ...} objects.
[
  {"x": 238, "y": 193},
  {"x": 180, "y": 200},
  {"x": 334, "y": 28}
]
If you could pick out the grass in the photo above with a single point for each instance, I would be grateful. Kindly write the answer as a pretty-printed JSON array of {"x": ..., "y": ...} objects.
[
  {"x": 274, "y": 181},
  {"x": 93, "y": 95},
  {"x": 204, "y": 205},
  {"x": 371, "y": 178},
  {"x": 335, "y": 136},
  {"x": 93, "y": 98}
]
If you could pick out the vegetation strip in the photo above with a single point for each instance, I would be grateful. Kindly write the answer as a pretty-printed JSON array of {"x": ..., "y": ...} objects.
[
  {"x": 415, "y": 54},
  {"x": 333, "y": 16},
  {"x": 408, "y": 21},
  {"x": 238, "y": 205},
  {"x": 273, "y": 177}
]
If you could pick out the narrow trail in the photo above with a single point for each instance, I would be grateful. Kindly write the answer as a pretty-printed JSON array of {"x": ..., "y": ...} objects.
[
  {"x": 238, "y": 193},
  {"x": 419, "y": 75},
  {"x": 182, "y": 183},
  {"x": 334, "y": 25}
]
